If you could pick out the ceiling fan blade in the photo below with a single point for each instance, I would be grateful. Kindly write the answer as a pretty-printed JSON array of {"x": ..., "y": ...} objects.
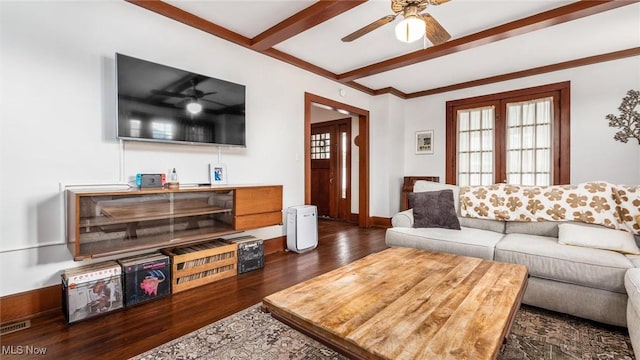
[
  {"x": 374, "y": 25},
  {"x": 209, "y": 93},
  {"x": 214, "y": 102},
  {"x": 434, "y": 31},
  {"x": 167, "y": 93},
  {"x": 438, "y": 2}
]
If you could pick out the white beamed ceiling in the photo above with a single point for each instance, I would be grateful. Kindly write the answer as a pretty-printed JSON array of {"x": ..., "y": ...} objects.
[{"x": 609, "y": 31}]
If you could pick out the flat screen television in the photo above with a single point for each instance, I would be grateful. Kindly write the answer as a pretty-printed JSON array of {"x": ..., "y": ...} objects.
[{"x": 162, "y": 103}]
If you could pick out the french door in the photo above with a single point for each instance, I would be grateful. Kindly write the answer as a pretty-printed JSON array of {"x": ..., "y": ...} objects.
[{"x": 519, "y": 138}]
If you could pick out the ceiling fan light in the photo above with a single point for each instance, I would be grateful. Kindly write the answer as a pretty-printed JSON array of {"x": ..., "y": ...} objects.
[
  {"x": 194, "y": 107},
  {"x": 410, "y": 29}
]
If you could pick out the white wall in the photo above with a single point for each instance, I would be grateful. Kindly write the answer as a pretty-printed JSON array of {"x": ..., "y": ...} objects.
[
  {"x": 596, "y": 90},
  {"x": 58, "y": 111},
  {"x": 386, "y": 135}
]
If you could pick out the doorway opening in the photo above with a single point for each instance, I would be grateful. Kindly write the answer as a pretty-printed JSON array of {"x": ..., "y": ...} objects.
[{"x": 329, "y": 174}]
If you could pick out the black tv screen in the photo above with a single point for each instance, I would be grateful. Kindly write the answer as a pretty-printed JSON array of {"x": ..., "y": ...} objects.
[{"x": 162, "y": 103}]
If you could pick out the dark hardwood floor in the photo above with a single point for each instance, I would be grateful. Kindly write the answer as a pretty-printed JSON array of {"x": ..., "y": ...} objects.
[{"x": 134, "y": 330}]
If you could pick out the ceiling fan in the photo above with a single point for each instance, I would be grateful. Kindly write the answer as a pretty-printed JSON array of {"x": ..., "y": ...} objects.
[
  {"x": 414, "y": 25},
  {"x": 191, "y": 97}
]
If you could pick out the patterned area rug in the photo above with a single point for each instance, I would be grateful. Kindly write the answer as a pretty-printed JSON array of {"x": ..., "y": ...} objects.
[{"x": 252, "y": 334}]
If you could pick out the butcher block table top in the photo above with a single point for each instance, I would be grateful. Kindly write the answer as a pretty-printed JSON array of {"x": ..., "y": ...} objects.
[{"x": 405, "y": 303}]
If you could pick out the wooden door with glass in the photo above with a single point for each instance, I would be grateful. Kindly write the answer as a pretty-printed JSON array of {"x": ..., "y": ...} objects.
[{"x": 331, "y": 168}]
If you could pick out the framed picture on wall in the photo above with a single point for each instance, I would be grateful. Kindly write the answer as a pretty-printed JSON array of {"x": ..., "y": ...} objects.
[
  {"x": 218, "y": 174},
  {"x": 424, "y": 142}
]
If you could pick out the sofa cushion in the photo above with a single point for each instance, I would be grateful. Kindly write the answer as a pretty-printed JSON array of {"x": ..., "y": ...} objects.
[
  {"x": 632, "y": 284},
  {"x": 466, "y": 241},
  {"x": 402, "y": 219},
  {"x": 546, "y": 258},
  {"x": 597, "y": 237},
  {"x": 635, "y": 259},
  {"x": 628, "y": 206},
  {"x": 434, "y": 209},
  {"x": 541, "y": 228},
  {"x": 483, "y": 224}
]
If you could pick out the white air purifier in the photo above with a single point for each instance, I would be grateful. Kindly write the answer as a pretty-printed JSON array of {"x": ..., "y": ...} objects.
[{"x": 302, "y": 228}]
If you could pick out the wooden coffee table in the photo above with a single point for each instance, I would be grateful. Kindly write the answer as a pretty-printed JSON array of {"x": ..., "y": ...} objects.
[{"x": 406, "y": 303}]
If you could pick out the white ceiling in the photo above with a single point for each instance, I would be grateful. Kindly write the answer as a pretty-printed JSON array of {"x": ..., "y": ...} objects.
[{"x": 605, "y": 32}]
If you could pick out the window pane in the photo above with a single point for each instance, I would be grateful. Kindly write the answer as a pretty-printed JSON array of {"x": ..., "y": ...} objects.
[
  {"x": 320, "y": 146},
  {"x": 474, "y": 180},
  {"x": 487, "y": 179},
  {"x": 475, "y": 164},
  {"x": 543, "y": 136},
  {"x": 513, "y": 138},
  {"x": 543, "y": 162},
  {"x": 487, "y": 118},
  {"x": 463, "y": 120},
  {"x": 474, "y": 141},
  {"x": 487, "y": 162},
  {"x": 527, "y": 161},
  {"x": 463, "y": 162},
  {"x": 463, "y": 179},
  {"x": 532, "y": 138},
  {"x": 527, "y": 137},
  {"x": 528, "y": 179},
  {"x": 542, "y": 179},
  {"x": 513, "y": 115},
  {"x": 474, "y": 122},
  {"x": 343, "y": 168},
  {"x": 528, "y": 114},
  {"x": 487, "y": 140},
  {"x": 513, "y": 161},
  {"x": 463, "y": 142}
]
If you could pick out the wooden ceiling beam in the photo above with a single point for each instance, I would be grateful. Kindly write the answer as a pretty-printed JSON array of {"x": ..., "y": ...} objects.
[
  {"x": 566, "y": 13},
  {"x": 290, "y": 59},
  {"x": 302, "y": 21},
  {"x": 197, "y": 22},
  {"x": 187, "y": 18},
  {"x": 589, "y": 60},
  {"x": 539, "y": 21}
]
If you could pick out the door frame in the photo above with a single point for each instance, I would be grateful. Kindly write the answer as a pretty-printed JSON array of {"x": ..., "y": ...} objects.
[{"x": 363, "y": 148}]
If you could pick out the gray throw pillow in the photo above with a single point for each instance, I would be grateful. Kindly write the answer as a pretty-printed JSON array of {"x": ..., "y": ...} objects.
[{"x": 434, "y": 209}]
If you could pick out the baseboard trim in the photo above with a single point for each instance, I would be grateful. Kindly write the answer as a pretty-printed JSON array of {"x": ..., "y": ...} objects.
[
  {"x": 29, "y": 304},
  {"x": 380, "y": 222},
  {"x": 354, "y": 218},
  {"x": 275, "y": 245}
]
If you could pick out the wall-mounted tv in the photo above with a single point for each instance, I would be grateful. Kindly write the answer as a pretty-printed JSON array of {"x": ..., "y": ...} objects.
[{"x": 162, "y": 103}]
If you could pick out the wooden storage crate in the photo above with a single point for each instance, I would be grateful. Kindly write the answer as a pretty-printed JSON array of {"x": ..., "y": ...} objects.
[{"x": 201, "y": 263}]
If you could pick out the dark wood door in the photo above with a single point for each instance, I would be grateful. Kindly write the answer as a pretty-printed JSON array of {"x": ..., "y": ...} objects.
[
  {"x": 331, "y": 168},
  {"x": 323, "y": 169}
]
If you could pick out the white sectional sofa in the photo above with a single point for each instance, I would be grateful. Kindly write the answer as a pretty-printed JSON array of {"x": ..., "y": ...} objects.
[
  {"x": 586, "y": 282},
  {"x": 632, "y": 284}
]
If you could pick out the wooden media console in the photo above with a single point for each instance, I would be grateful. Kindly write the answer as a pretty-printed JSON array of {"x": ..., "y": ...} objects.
[{"x": 105, "y": 223}]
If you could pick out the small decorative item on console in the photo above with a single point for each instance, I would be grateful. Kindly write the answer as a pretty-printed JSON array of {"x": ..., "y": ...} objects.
[
  {"x": 218, "y": 174},
  {"x": 173, "y": 180}
]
